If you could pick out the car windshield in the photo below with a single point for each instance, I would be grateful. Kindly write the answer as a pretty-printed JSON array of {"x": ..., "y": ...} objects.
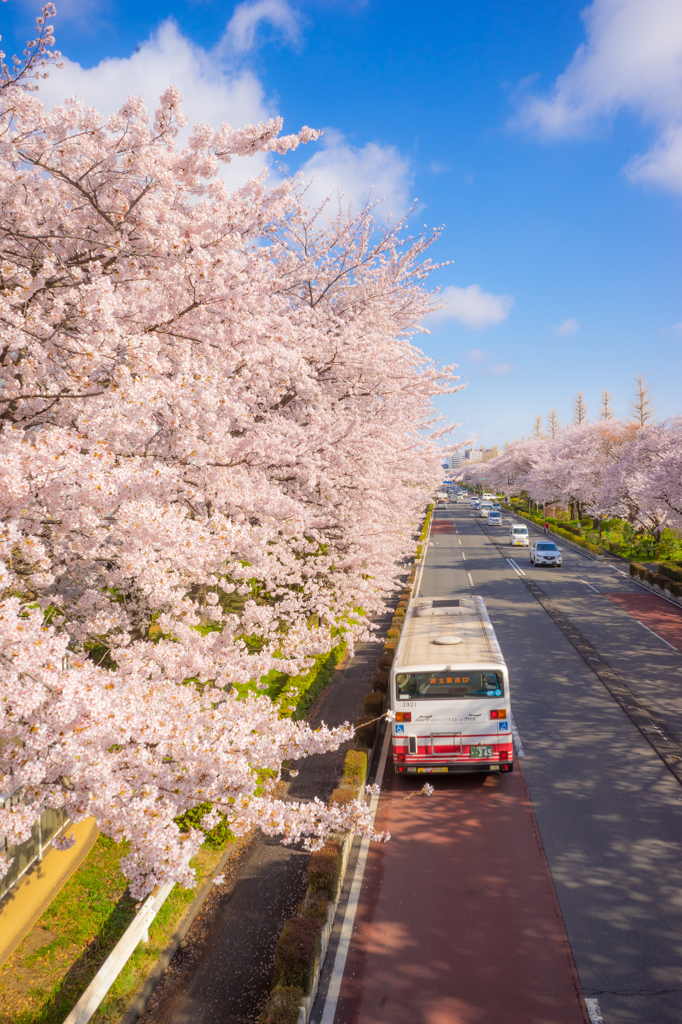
[
  {"x": 546, "y": 547},
  {"x": 520, "y": 529},
  {"x": 458, "y": 684}
]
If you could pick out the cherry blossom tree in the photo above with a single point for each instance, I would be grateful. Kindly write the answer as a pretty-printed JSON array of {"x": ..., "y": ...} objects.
[{"x": 217, "y": 437}]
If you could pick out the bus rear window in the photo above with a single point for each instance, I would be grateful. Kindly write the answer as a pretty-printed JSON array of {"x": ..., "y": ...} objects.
[{"x": 453, "y": 685}]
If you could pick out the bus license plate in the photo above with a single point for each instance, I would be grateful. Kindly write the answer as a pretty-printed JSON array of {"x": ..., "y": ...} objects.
[
  {"x": 431, "y": 769},
  {"x": 481, "y": 752}
]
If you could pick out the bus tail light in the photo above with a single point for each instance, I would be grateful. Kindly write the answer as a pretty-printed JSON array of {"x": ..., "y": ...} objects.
[
  {"x": 403, "y": 716},
  {"x": 501, "y": 713},
  {"x": 504, "y": 754},
  {"x": 399, "y": 754}
]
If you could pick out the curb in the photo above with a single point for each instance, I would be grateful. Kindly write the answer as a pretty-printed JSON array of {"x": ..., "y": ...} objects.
[
  {"x": 655, "y": 589},
  {"x": 138, "y": 1005},
  {"x": 307, "y": 1001}
]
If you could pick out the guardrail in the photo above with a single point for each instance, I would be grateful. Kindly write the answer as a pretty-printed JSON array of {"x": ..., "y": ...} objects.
[{"x": 137, "y": 932}]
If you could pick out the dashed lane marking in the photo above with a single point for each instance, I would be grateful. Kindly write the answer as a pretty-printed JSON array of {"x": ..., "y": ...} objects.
[
  {"x": 589, "y": 585},
  {"x": 517, "y": 569},
  {"x": 471, "y": 582}
]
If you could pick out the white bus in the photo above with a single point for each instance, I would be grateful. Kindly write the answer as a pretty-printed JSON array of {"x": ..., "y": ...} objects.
[{"x": 450, "y": 691}]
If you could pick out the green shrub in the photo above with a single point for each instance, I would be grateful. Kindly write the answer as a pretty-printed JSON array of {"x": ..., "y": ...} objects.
[
  {"x": 343, "y": 795},
  {"x": 283, "y": 1006},
  {"x": 671, "y": 570},
  {"x": 399, "y": 616},
  {"x": 366, "y": 731},
  {"x": 637, "y": 570},
  {"x": 393, "y": 633},
  {"x": 324, "y": 869},
  {"x": 296, "y": 952},
  {"x": 386, "y": 659},
  {"x": 380, "y": 680},
  {"x": 373, "y": 705},
  {"x": 355, "y": 768},
  {"x": 316, "y": 905}
]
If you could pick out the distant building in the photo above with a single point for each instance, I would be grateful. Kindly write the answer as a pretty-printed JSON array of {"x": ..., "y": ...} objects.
[
  {"x": 455, "y": 461},
  {"x": 481, "y": 454}
]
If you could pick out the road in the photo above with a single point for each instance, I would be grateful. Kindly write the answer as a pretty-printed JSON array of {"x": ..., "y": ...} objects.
[{"x": 461, "y": 918}]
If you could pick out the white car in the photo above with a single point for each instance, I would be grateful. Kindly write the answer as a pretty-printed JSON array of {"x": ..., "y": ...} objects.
[
  {"x": 494, "y": 518},
  {"x": 518, "y": 535},
  {"x": 545, "y": 552}
]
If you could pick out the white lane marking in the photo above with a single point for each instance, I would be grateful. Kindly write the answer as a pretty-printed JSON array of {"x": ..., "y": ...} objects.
[
  {"x": 352, "y": 906},
  {"x": 593, "y": 1011},
  {"x": 517, "y": 569},
  {"x": 459, "y": 542},
  {"x": 517, "y": 739},
  {"x": 471, "y": 582},
  {"x": 588, "y": 585},
  {"x": 658, "y": 635},
  {"x": 464, "y": 557}
]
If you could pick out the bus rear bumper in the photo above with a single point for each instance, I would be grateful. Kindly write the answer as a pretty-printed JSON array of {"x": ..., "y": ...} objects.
[{"x": 452, "y": 769}]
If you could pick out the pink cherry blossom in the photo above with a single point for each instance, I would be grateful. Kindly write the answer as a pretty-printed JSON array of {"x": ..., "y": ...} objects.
[{"x": 217, "y": 439}]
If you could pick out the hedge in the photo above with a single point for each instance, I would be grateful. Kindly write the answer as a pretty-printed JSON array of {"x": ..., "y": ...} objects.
[
  {"x": 373, "y": 704},
  {"x": 324, "y": 868},
  {"x": 665, "y": 582},
  {"x": 671, "y": 570},
  {"x": 366, "y": 730},
  {"x": 296, "y": 953},
  {"x": 355, "y": 768},
  {"x": 283, "y": 1006},
  {"x": 380, "y": 680}
]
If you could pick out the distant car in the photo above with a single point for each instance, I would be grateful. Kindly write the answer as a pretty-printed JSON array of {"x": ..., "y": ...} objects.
[
  {"x": 518, "y": 535},
  {"x": 497, "y": 506},
  {"x": 545, "y": 552},
  {"x": 494, "y": 518}
]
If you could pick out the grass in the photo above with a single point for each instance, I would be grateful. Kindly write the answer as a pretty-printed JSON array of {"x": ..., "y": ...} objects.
[
  {"x": 58, "y": 959},
  {"x": 46, "y": 975}
]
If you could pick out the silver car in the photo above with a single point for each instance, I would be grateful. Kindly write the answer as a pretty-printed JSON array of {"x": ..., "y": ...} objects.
[{"x": 545, "y": 552}]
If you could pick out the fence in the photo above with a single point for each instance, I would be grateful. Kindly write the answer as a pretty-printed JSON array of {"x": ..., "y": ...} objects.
[{"x": 50, "y": 823}]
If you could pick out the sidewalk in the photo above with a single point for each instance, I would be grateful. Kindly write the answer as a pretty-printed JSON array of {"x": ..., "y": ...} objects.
[{"x": 25, "y": 903}]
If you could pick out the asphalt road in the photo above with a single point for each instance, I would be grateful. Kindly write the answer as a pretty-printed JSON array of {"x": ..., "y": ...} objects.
[{"x": 609, "y": 811}]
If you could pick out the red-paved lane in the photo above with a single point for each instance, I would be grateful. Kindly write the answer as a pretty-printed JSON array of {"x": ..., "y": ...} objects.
[
  {"x": 458, "y": 921},
  {"x": 661, "y": 616}
]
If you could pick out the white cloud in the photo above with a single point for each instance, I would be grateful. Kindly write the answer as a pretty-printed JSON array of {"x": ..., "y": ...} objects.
[
  {"x": 356, "y": 171},
  {"x": 567, "y": 327},
  {"x": 476, "y": 355},
  {"x": 211, "y": 93},
  {"x": 500, "y": 368},
  {"x": 471, "y": 306},
  {"x": 632, "y": 58},
  {"x": 240, "y": 34},
  {"x": 675, "y": 329},
  {"x": 217, "y": 87}
]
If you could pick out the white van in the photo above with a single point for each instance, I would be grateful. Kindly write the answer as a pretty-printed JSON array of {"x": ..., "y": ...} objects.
[
  {"x": 484, "y": 508},
  {"x": 494, "y": 517},
  {"x": 518, "y": 535},
  {"x": 489, "y": 497}
]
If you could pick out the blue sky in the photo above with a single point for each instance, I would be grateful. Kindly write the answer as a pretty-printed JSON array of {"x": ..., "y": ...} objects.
[{"x": 545, "y": 135}]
